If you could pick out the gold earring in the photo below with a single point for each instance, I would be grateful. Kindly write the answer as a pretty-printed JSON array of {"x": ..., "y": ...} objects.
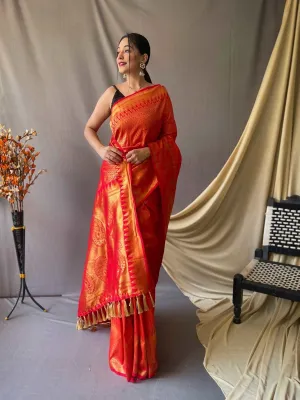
[{"x": 142, "y": 66}]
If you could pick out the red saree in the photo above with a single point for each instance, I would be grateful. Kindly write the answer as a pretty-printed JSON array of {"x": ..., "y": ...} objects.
[{"x": 128, "y": 230}]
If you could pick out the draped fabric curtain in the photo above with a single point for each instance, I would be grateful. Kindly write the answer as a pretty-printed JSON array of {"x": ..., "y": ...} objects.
[{"x": 216, "y": 235}]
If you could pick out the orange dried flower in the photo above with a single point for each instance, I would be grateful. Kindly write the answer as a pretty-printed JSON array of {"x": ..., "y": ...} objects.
[{"x": 17, "y": 166}]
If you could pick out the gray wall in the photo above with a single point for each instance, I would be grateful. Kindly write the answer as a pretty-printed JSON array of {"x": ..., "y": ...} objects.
[{"x": 57, "y": 57}]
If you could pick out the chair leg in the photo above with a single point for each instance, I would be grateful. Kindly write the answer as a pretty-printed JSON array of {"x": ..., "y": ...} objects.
[{"x": 237, "y": 297}]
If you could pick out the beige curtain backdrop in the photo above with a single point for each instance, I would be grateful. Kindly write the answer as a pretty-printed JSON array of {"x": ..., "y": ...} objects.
[
  {"x": 215, "y": 237},
  {"x": 56, "y": 59}
]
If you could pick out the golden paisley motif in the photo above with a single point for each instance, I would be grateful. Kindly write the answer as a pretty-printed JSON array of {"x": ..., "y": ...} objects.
[
  {"x": 89, "y": 284},
  {"x": 111, "y": 215},
  {"x": 111, "y": 173},
  {"x": 121, "y": 264},
  {"x": 99, "y": 234},
  {"x": 100, "y": 267}
]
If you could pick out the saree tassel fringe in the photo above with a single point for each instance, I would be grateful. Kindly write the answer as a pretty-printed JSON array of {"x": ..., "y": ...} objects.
[
  {"x": 131, "y": 310},
  {"x": 119, "y": 314},
  {"x": 146, "y": 308},
  {"x": 152, "y": 301},
  {"x": 116, "y": 310},
  {"x": 125, "y": 308},
  {"x": 139, "y": 308}
]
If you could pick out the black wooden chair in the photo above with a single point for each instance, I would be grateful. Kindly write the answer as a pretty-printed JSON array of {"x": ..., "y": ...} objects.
[{"x": 281, "y": 236}]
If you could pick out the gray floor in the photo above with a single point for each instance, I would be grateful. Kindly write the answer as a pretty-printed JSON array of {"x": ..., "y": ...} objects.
[{"x": 43, "y": 357}]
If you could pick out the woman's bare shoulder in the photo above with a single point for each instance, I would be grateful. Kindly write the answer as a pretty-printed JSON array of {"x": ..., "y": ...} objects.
[
  {"x": 110, "y": 91},
  {"x": 106, "y": 97}
]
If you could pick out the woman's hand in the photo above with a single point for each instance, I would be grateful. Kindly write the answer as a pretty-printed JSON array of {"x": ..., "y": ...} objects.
[
  {"x": 138, "y": 156},
  {"x": 111, "y": 155}
]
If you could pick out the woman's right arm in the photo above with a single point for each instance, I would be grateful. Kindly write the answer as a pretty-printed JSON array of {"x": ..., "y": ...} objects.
[{"x": 96, "y": 120}]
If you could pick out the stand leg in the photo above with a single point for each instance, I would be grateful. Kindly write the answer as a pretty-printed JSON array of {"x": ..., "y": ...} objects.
[
  {"x": 21, "y": 286},
  {"x": 32, "y": 298},
  {"x": 23, "y": 296},
  {"x": 237, "y": 297}
]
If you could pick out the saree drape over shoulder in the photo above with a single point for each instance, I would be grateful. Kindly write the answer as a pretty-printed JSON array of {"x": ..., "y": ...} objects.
[{"x": 128, "y": 231}]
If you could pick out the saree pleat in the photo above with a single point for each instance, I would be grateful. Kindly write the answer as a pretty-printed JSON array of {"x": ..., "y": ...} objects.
[
  {"x": 133, "y": 340},
  {"x": 128, "y": 231},
  {"x": 132, "y": 351}
]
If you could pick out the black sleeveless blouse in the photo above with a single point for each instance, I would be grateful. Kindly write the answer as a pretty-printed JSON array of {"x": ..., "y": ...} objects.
[{"x": 117, "y": 96}]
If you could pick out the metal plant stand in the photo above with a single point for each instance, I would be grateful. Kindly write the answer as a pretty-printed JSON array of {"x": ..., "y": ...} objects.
[{"x": 18, "y": 230}]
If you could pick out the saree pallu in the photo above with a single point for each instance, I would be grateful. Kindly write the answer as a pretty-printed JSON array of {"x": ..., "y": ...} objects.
[{"x": 128, "y": 231}]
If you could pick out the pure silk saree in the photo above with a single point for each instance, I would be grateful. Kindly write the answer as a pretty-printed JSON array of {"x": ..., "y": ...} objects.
[{"x": 128, "y": 231}]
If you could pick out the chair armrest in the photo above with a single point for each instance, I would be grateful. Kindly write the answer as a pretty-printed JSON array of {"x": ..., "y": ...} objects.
[{"x": 258, "y": 253}]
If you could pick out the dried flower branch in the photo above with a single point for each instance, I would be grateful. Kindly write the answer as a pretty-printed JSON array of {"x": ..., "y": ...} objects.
[{"x": 17, "y": 166}]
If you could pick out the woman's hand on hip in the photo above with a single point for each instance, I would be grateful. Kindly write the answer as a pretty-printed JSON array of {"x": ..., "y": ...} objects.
[
  {"x": 111, "y": 155},
  {"x": 138, "y": 156}
]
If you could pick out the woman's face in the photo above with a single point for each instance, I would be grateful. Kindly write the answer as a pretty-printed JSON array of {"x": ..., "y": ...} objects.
[{"x": 128, "y": 55}]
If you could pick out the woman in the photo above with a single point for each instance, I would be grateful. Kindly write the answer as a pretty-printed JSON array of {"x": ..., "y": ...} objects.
[{"x": 131, "y": 213}]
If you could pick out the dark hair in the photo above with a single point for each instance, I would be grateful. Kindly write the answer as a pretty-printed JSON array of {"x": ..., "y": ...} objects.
[{"x": 143, "y": 46}]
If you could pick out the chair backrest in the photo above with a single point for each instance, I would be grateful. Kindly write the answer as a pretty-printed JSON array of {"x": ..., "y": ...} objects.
[{"x": 282, "y": 227}]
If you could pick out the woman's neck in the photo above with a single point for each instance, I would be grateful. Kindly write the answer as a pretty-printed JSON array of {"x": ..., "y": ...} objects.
[{"x": 136, "y": 82}]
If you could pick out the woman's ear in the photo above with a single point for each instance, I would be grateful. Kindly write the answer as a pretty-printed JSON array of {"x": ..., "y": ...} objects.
[{"x": 145, "y": 58}]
